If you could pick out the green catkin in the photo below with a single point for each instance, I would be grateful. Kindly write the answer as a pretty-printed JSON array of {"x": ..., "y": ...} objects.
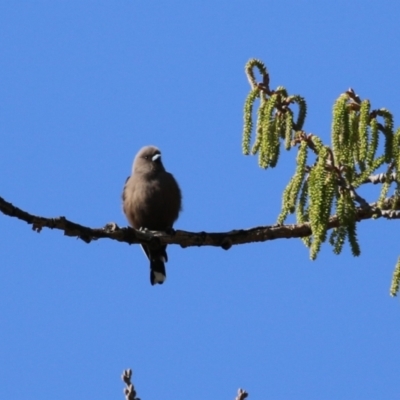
[
  {"x": 268, "y": 142},
  {"x": 248, "y": 120},
  {"x": 340, "y": 129},
  {"x": 288, "y": 129},
  {"x": 317, "y": 193},
  {"x": 250, "y": 74},
  {"x": 299, "y": 175},
  {"x": 286, "y": 205},
  {"x": 373, "y": 143},
  {"x": 388, "y": 132},
  {"x": 394, "y": 288},
  {"x": 363, "y": 130},
  {"x": 291, "y": 192},
  {"x": 259, "y": 128},
  {"x": 302, "y": 211},
  {"x": 384, "y": 190},
  {"x": 301, "y": 102},
  {"x": 351, "y": 228}
]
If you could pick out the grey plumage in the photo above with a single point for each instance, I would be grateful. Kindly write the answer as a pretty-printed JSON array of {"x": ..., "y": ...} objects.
[{"x": 152, "y": 199}]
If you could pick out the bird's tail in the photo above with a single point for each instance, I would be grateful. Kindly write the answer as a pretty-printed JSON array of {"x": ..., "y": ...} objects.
[
  {"x": 157, "y": 272},
  {"x": 158, "y": 258}
]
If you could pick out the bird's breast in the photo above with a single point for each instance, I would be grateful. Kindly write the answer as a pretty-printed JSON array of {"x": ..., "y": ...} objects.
[{"x": 155, "y": 203}]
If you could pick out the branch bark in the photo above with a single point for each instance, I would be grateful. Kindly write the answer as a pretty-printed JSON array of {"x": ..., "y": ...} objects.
[{"x": 185, "y": 238}]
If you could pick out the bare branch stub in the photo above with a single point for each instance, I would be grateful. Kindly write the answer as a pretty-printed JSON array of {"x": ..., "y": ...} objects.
[
  {"x": 129, "y": 390},
  {"x": 242, "y": 394}
]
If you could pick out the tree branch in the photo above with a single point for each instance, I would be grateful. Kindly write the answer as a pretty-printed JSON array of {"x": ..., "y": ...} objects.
[{"x": 188, "y": 239}]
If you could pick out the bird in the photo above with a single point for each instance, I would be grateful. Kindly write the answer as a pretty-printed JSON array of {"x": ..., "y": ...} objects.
[{"x": 152, "y": 200}]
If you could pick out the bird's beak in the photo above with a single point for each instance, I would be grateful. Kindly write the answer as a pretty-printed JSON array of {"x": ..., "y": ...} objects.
[{"x": 156, "y": 157}]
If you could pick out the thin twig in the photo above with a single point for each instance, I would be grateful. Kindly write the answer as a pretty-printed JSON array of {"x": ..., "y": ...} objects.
[{"x": 380, "y": 178}]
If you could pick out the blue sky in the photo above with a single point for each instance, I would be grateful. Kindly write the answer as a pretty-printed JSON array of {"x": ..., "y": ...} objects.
[{"x": 83, "y": 86}]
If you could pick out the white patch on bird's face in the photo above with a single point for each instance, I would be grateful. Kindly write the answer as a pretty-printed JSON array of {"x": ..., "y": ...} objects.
[
  {"x": 158, "y": 277},
  {"x": 156, "y": 157}
]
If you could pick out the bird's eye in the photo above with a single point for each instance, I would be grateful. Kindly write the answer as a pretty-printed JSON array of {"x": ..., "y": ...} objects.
[{"x": 146, "y": 157}]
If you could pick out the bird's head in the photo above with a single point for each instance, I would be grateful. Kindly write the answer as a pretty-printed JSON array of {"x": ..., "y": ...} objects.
[{"x": 148, "y": 160}]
